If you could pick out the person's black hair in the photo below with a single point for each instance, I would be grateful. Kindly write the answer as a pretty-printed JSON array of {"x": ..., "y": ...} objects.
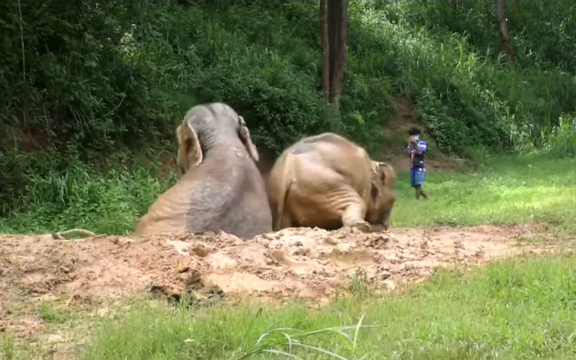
[{"x": 414, "y": 131}]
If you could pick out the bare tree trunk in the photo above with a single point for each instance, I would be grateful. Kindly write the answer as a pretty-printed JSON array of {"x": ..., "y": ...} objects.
[
  {"x": 338, "y": 14},
  {"x": 325, "y": 48},
  {"x": 503, "y": 28},
  {"x": 333, "y": 8}
]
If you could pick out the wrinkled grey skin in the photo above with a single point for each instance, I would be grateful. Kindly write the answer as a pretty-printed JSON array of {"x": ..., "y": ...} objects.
[{"x": 221, "y": 187}]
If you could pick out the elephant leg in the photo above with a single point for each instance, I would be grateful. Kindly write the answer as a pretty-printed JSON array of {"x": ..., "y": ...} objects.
[
  {"x": 353, "y": 216},
  {"x": 386, "y": 221},
  {"x": 286, "y": 220}
]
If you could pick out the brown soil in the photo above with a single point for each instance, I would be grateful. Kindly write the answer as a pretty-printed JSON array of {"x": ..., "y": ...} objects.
[
  {"x": 299, "y": 262},
  {"x": 25, "y": 139}
]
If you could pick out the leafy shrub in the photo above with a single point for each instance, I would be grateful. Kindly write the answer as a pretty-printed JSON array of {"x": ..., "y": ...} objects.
[
  {"x": 561, "y": 140},
  {"x": 82, "y": 196}
]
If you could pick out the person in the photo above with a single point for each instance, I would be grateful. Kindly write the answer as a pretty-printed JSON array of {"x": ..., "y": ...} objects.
[{"x": 416, "y": 150}]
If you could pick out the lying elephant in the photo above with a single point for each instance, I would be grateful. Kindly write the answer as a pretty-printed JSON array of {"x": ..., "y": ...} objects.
[
  {"x": 329, "y": 182},
  {"x": 220, "y": 187}
]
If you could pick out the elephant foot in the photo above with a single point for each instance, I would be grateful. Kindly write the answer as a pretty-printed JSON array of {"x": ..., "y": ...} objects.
[{"x": 361, "y": 226}]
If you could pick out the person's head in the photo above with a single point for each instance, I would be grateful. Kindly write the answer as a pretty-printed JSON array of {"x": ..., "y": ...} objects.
[{"x": 415, "y": 132}]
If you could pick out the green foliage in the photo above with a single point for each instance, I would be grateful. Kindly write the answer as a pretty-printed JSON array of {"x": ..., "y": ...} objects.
[
  {"x": 441, "y": 75},
  {"x": 64, "y": 75},
  {"x": 561, "y": 140},
  {"x": 525, "y": 99},
  {"x": 465, "y": 98},
  {"x": 541, "y": 33},
  {"x": 105, "y": 78},
  {"x": 102, "y": 74},
  {"x": 81, "y": 196},
  {"x": 128, "y": 71}
]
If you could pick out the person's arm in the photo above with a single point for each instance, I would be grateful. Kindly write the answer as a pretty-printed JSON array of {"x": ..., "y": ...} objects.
[
  {"x": 421, "y": 147},
  {"x": 413, "y": 145}
]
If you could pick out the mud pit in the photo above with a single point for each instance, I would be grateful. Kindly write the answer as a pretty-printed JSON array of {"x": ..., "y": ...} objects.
[{"x": 308, "y": 263}]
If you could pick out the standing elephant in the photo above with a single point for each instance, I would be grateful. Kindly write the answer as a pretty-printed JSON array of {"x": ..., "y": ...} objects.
[
  {"x": 220, "y": 187},
  {"x": 329, "y": 182}
]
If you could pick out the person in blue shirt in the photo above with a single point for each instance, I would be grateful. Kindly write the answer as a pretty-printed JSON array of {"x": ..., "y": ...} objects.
[{"x": 416, "y": 150}]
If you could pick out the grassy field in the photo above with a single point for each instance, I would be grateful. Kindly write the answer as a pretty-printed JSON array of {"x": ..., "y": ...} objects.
[{"x": 508, "y": 190}]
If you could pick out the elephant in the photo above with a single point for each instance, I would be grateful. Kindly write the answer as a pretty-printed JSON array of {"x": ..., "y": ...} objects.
[
  {"x": 220, "y": 187},
  {"x": 329, "y": 182}
]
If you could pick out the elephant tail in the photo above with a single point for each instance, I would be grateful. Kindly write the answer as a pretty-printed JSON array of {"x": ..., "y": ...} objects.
[
  {"x": 283, "y": 179},
  {"x": 281, "y": 204}
]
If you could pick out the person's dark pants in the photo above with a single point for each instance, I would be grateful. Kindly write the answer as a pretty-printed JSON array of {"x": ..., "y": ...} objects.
[{"x": 417, "y": 176}]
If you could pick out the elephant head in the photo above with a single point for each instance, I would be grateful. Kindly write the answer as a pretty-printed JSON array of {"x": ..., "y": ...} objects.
[
  {"x": 220, "y": 188},
  {"x": 211, "y": 128},
  {"x": 382, "y": 197}
]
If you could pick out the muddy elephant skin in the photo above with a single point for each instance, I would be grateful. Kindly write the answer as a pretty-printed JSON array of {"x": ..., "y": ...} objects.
[
  {"x": 220, "y": 187},
  {"x": 330, "y": 182}
]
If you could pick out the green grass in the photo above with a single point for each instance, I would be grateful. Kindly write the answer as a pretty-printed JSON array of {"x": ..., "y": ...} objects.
[
  {"x": 509, "y": 190},
  {"x": 50, "y": 314},
  {"x": 105, "y": 201},
  {"x": 513, "y": 309}
]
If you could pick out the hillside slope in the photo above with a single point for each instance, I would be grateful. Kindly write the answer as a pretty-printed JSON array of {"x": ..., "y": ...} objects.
[{"x": 395, "y": 140}]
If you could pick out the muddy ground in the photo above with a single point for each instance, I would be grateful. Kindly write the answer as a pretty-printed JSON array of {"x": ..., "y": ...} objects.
[{"x": 309, "y": 263}]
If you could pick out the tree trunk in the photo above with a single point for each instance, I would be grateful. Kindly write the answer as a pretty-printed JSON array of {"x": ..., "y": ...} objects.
[
  {"x": 332, "y": 7},
  {"x": 337, "y": 27},
  {"x": 503, "y": 28},
  {"x": 325, "y": 48}
]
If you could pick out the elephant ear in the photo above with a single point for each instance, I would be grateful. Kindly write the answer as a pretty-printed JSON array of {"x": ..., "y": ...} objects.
[
  {"x": 189, "y": 149},
  {"x": 388, "y": 175},
  {"x": 244, "y": 135},
  {"x": 378, "y": 177}
]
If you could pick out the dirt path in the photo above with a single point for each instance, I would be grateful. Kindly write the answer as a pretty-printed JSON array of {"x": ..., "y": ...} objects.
[{"x": 308, "y": 263}]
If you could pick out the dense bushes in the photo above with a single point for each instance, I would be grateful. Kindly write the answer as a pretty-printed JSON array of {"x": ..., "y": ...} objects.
[
  {"x": 104, "y": 202},
  {"x": 542, "y": 33},
  {"x": 99, "y": 74},
  {"x": 93, "y": 78}
]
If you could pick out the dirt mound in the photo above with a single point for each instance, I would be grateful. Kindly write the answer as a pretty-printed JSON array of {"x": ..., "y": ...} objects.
[{"x": 297, "y": 262}]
